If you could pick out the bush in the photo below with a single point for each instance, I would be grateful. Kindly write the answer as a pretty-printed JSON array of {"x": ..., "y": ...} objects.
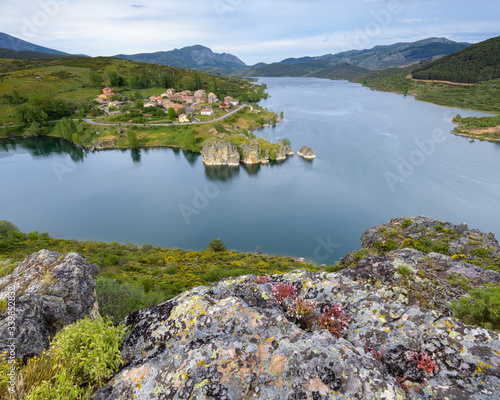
[
  {"x": 406, "y": 223},
  {"x": 82, "y": 357},
  {"x": 116, "y": 301},
  {"x": 217, "y": 245},
  {"x": 6, "y": 227},
  {"x": 88, "y": 350},
  {"x": 482, "y": 308}
]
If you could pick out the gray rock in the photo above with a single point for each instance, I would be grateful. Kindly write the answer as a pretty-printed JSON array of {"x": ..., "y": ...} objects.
[
  {"x": 283, "y": 152},
  {"x": 233, "y": 340},
  {"x": 252, "y": 153},
  {"x": 461, "y": 239},
  {"x": 220, "y": 153},
  {"x": 52, "y": 291},
  {"x": 306, "y": 152}
]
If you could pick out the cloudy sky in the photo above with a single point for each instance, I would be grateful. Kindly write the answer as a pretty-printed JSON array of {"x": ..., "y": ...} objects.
[{"x": 253, "y": 30}]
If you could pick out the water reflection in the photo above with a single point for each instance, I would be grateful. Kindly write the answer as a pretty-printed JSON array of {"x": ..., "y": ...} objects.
[
  {"x": 221, "y": 173},
  {"x": 190, "y": 156},
  {"x": 252, "y": 169},
  {"x": 136, "y": 155},
  {"x": 44, "y": 147}
]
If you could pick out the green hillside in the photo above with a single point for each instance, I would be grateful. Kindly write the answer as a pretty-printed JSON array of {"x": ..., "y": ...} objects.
[
  {"x": 481, "y": 96},
  {"x": 71, "y": 79},
  {"x": 26, "y": 55},
  {"x": 477, "y": 63}
]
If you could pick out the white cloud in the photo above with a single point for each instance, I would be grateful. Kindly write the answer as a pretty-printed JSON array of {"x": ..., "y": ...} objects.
[{"x": 257, "y": 30}]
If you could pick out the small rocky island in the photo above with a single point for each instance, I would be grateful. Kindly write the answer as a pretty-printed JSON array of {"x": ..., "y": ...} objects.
[{"x": 307, "y": 153}]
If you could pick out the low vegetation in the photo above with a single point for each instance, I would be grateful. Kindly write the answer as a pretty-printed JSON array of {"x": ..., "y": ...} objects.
[
  {"x": 81, "y": 358},
  {"x": 131, "y": 277},
  {"x": 482, "y": 128}
]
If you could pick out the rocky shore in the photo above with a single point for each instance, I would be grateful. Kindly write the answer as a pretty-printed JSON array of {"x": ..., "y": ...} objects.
[{"x": 222, "y": 152}]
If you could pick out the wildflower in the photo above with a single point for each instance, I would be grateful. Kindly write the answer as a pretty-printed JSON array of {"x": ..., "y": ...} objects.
[
  {"x": 423, "y": 361},
  {"x": 334, "y": 320},
  {"x": 301, "y": 308},
  {"x": 283, "y": 290}
]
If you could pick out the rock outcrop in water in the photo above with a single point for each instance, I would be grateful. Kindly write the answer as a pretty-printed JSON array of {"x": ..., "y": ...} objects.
[
  {"x": 252, "y": 153},
  {"x": 237, "y": 339},
  {"x": 221, "y": 152},
  {"x": 307, "y": 153},
  {"x": 52, "y": 291}
]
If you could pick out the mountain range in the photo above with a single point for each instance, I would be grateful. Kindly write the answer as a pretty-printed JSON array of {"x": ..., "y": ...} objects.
[
  {"x": 14, "y": 43},
  {"x": 344, "y": 65},
  {"x": 196, "y": 57}
]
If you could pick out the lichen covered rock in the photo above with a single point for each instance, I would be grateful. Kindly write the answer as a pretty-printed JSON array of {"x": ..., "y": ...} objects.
[
  {"x": 220, "y": 152},
  {"x": 52, "y": 291},
  {"x": 252, "y": 153},
  {"x": 235, "y": 340}
]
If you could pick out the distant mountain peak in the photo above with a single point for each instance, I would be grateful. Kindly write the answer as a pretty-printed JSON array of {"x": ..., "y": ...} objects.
[
  {"x": 197, "y": 57},
  {"x": 13, "y": 43}
]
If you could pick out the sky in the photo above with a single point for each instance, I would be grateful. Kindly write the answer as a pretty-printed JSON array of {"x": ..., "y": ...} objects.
[{"x": 253, "y": 30}]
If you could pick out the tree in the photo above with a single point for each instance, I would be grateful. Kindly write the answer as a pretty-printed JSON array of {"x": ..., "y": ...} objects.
[
  {"x": 6, "y": 227},
  {"x": 217, "y": 245},
  {"x": 197, "y": 82},
  {"x": 132, "y": 138},
  {"x": 95, "y": 80},
  {"x": 29, "y": 113},
  {"x": 171, "y": 113},
  {"x": 35, "y": 129}
]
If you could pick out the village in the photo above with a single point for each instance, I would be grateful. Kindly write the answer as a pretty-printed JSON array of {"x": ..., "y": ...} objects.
[{"x": 187, "y": 106}]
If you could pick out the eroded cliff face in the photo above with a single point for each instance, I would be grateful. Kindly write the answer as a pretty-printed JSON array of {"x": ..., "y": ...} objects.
[
  {"x": 52, "y": 291},
  {"x": 221, "y": 152},
  {"x": 237, "y": 339}
]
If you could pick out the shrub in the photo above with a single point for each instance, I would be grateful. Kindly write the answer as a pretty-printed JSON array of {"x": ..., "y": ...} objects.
[
  {"x": 215, "y": 274},
  {"x": 81, "y": 358},
  {"x": 217, "y": 245},
  {"x": 116, "y": 301},
  {"x": 405, "y": 271},
  {"x": 439, "y": 228},
  {"x": 482, "y": 308},
  {"x": 6, "y": 227},
  {"x": 406, "y": 223},
  {"x": 89, "y": 351},
  {"x": 481, "y": 253}
]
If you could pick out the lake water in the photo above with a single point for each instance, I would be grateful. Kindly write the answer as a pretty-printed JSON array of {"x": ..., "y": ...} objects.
[{"x": 379, "y": 156}]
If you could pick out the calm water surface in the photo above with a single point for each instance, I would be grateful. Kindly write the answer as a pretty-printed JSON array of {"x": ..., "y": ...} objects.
[{"x": 379, "y": 156}]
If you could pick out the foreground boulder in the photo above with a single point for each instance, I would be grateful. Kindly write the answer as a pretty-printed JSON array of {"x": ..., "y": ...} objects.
[
  {"x": 220, "y": 153},
  {"x": 235, "y": 340},
  {"x": 51, "y": 291}
]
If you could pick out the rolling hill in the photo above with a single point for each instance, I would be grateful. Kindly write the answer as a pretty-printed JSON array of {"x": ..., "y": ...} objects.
[
  {"x": 29, "y": 55},
  {"x": 479, "y": 62},
  {"x": 196, "y": 57}
]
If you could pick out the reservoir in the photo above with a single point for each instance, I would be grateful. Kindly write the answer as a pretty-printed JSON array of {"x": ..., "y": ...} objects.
[{"x": 379, "y": 156}]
